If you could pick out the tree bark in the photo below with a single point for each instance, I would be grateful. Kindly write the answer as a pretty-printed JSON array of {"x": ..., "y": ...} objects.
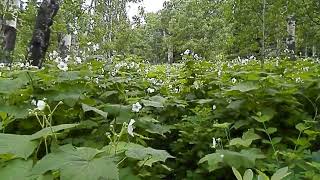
[
  {"x": 291, "y": 40},
  {"x": 41, "y": 35},
  {"x": 64, "y": 45},
  {"x": 314, "y": 51},
  {"x": 9, "y": 32}
]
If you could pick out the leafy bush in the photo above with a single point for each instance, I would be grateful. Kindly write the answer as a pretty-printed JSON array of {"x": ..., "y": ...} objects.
[{"x": 126, "y": 119}]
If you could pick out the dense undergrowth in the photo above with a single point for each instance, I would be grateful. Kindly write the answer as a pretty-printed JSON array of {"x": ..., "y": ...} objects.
[{"x": 125, "y": 119}]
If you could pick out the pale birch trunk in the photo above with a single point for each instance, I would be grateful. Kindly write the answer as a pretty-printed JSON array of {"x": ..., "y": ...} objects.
[
  {"x": 9, "y": 30},
  {"x": 291, "y": 39}
]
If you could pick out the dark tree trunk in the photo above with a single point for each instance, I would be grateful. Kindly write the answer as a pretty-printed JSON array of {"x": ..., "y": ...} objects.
[
  {"x": 9, "y": 31},
  {"x": 41, "y": 35},
  {"x": 9, "y": 41}
]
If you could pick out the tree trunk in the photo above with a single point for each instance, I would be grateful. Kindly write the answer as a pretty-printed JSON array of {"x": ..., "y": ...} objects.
[
  {"x": 64, "y": 45},
  {"x": 9, "y": 32},
  {"x": 314, "y": 51},
  {"x": 263, "y": 49},
  {"x": 291, "y": 40},
  {"x": 170, "y": 53},
  {"x": 41, "y": 35}
]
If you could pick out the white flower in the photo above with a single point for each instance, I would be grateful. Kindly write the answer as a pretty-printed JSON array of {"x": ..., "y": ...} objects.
[
  {"x": 78, "y": 60},
  {"x": 41, "y": 105},
  {"x": 222, "y": 155},
  {"x": 196, "y": 84},
  {"x": 233, "y": 80},
  {"x": 95, "y": 47},
  {"x": 130, "y": 127},
  {"x": 299, "y": 80},
  {"x": 214, "y": 107},
  {"x": 187, "y": 52},
  {"x": 136, "y": 107},
  {"x": 150, "y": 90},
  {"x": 66, "y": 59},
  {"x": 219, "y": 73},
  {"x": 34, "y": 102},
  {"x": 214, "y": 143},
  {"x": 63, "y": 66}
]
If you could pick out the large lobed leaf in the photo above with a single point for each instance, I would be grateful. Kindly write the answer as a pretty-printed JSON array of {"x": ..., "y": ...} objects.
[
  {"x": 19, "y": 145},
  {"x": 77, "y": 164}
]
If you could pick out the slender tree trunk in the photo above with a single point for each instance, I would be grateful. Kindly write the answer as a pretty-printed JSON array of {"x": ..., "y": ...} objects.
[
  {"x": 64, "y": 45},
  {"x": 41, "y": 35},
  {"x": 291, "y": 40},
  {"x": 263, "y": 31},
  {"x": 314, "y": 51},
  {"x": 9, "y": 32},
  {"x": 170, "y": 53},
  {"x": 306, "y": 52}
]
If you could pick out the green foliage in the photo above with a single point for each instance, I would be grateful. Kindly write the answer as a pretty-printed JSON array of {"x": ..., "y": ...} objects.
[
  {"x": 194, "y": 122},
  {"x": 77, "y": 163}
]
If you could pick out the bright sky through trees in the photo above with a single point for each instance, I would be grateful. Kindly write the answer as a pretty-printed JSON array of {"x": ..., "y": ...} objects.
[{"x": 150, "y": 6}]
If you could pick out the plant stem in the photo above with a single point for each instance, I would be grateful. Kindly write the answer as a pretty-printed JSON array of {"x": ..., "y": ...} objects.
[
  {"x": 295, "y": 147},
  {"x": 274, "y": 149}
]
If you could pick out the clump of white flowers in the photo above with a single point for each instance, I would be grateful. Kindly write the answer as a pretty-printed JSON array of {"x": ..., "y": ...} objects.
[
  {"x": 150, "y": 90},
  {"x": 136, "y": 107}
]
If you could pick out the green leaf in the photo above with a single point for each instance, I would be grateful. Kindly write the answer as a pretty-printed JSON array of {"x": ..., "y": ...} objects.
[
  {"x": 276, "y": 140},
  {"x": 8, "y": 86},
  {"x": 248, "y": 175},
  {"x": 280, "y": 174},
  {"x": 77, "y": 164},
  {"x": 231, "y": 158},
  {"x": 262, "y": 176},
  {"x": 302, "y": 127},
  {"x": 19, "y": 145},
  {"x": 16, "y": 169},
  {"x": 87, "y": 108},
  {"x": 237, "y": 173},
  {"x": 271, "y": 130},
  {"x": 108, "y": 93},
  {"x": 148, "y": 155},
  {"x": 19, "y": 112},
  {"x": 121, "y": 112},
  {"x": 49, "y": 131},
  {"x": 204, "y": 101},
  {"x": 127, "y": 174},
  {"x": 223, "y": 125},
  {"x": 246, "y": 139},
  {"x": 266, "y": 115},
  {"x": 245, "y": 86},
  {"x": 236, "y": 105},
  {"x": 70, "y": 94},
  {"x": 150, "y": 125},
  {"x": 155, "y": 101}
]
